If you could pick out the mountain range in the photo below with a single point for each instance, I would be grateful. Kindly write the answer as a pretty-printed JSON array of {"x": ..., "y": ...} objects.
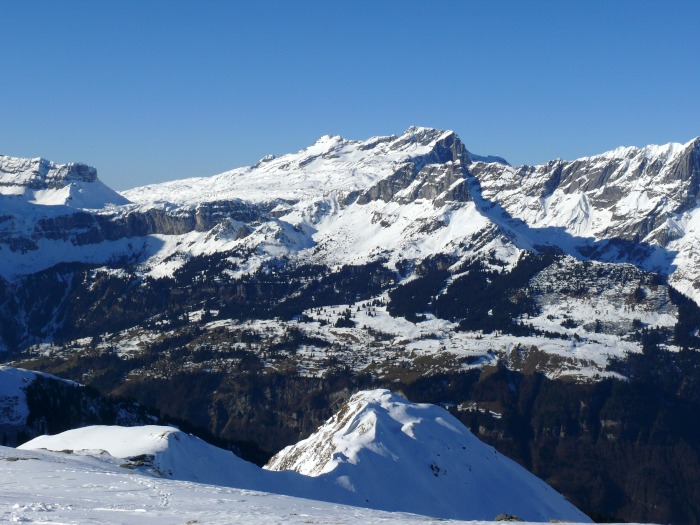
[{"x": 540, "y": 305}]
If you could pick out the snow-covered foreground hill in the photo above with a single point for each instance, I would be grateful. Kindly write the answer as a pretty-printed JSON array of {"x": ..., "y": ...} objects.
[
  {"x": 379, "y": 441},
  {"x": 58, "y": 488},
  {"x": 379, "y": 451}
]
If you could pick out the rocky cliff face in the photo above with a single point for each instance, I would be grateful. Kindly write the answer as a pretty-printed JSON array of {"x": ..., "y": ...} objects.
[
  {"x": 33, "y": 404},
  {"x": 41, "y": 174},
  {"x": 628, "y": 193},
  {"x": 636, "y": 205}
]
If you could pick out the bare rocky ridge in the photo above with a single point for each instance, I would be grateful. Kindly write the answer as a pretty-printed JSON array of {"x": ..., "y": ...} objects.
[{"x": 640, "y": 199}]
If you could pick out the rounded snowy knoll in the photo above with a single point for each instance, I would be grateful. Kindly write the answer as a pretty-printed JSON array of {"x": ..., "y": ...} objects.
[
  {"x": 379, "y": 451},
  {"x": 391, "y": 454},
  {"x": 168, "y": 452},
  {"x": 165, "y": 451},
  {"x": 50, "y": 487}
]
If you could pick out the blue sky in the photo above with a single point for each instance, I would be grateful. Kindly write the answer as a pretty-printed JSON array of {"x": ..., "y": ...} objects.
[{"x": 150, "y": 91}]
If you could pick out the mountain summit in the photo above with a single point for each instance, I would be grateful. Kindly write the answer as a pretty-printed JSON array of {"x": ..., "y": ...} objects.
[
  {"x": 332, "y": 165},
  {"x": 39, "y": 181},
  {"x": 418, "y": 458}
]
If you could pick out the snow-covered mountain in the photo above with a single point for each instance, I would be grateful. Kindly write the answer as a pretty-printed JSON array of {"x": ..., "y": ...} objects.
[
  {"x": 44, "y": 183},
  {"x": 419, "y": 458},
  {"x": 336, "y": 202},
  {"x": 395, "y": 202},
  {"x": 629, "y": 204},
  {"x": 274, "y": 291},
  {"x": 379, "y": 451},
  {"x": 342, "y": 201}
]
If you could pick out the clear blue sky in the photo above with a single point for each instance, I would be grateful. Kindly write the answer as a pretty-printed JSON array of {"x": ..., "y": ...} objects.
[{"x": 149, "y": 91}]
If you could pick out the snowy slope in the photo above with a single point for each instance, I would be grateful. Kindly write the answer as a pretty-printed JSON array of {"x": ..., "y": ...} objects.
[
  {"x": 378, "y": 442},
  {"x": 170, "y": 453},
  {"x": 174, "y": 454},
  {"x": 379, "y": 452},
  {"x": 167, "y": 452},
  {"x": 53, "y": 487},
  {"x": 331, "y": 165}
]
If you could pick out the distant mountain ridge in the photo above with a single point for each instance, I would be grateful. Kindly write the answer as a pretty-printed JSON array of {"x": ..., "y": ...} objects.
[
  {"x": 636, "y": 204},
  {"x": 42, "y": 182},
  {"x": 628, "y": 205}
]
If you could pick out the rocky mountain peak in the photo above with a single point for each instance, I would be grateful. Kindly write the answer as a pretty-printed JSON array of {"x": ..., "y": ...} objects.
[
  {"x": 423, "y": 135},
  {"x": 628, "y": 193},
  {"x": 652, "y": 152},
  {"x": 40, "y": 174},
  {"x": 442, "y": 145}
]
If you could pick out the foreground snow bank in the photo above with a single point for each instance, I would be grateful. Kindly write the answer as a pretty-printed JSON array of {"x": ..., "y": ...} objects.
[
  {"x": 166, "y": 451},
  {"x": 53, "y": 487},
  {"x": 379, "y": 451}
]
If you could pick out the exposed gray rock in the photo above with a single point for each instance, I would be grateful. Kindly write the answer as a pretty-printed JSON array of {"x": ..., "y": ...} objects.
[
  {"x": 440, "y": 173},
  {"x": 667, "y": 181},
  {"x": 39, "y": 173}
]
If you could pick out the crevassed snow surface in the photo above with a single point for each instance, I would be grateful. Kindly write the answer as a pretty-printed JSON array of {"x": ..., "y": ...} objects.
[{"x": 379, "y": 441}]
